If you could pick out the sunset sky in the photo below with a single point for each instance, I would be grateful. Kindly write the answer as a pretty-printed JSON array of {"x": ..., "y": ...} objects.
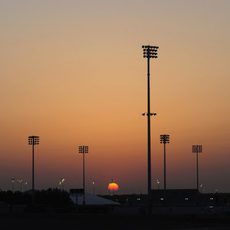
[{"x": 72, "y": 72}]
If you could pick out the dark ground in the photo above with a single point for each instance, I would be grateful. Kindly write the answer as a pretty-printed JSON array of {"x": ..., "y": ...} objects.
[
  {"x": 17, "y": 212},
  {"x": 110, "y": 222}
]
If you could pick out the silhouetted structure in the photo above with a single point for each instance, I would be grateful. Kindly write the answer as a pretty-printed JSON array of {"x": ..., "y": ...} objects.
[
  {"x": 197, "y": 149},
  {"x": 83, "y": 149},
  {"x": 176, "y": 197},
  {"x": 33, "y": 140},
  {"x": 12, "y": 183},
  {"x": 149, "y": 52},
  {"x": 164, "y": 139},
  {"x": 176, "y": 201}
]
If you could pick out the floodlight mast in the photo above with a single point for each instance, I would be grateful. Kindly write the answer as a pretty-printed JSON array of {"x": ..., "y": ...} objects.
[
  {"x": 197, "y": 149},
  {"x": 149, "y": 52},
  {"x": 164, "y": 139},
  {"x": 83, "y": 149},
  {"x": 33, "y": 140}
]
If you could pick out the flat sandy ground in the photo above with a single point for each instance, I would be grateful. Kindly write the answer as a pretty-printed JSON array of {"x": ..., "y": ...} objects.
[{"x": 110, "y": 222}]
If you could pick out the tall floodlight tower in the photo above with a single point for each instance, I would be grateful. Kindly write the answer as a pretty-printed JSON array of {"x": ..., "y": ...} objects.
[
  {"x": 149, "y": 52},
  {"x": 83, "y": 149},
  {"x": 33, "y": 140},
  {"x": 197, "y": 149},
  {"x": 164, "y": 139}
]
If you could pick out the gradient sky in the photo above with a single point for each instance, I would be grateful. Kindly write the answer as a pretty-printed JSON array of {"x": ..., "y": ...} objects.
[{"x": 72, "y": 72}]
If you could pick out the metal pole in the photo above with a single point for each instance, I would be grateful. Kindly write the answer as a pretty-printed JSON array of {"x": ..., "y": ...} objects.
[
  {"x": 164, "y": 139},
  {"x": 149, "y": 127},
  {"x": 12, "y": 183},
  {"x": 84, "y": 177},
  {"x": 197, "y": 149},
  {"x": 33, "y": 188},
  {"x": 93, "y": 187},
  {"x": 164, "y": 166},
  {"x": 149, "y": 52},
  {"x": 197, "y": 172},
  {"x": 33, "y": 140}
]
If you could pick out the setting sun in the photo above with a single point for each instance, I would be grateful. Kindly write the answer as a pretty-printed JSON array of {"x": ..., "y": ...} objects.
[{"x": 113, "y": 187}]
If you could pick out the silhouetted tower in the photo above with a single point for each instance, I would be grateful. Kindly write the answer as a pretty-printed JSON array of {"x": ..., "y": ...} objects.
[
  {"x": 33, "y": 140},
  {"x": 164, "y": 139},
  {"x": 149, "y": 52},
  {"x": 197, "y": 149},
  {"x": 83, "y": 149}
]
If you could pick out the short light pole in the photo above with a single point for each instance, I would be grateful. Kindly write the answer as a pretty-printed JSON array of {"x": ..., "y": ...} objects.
[
  {"x": 12, "y": 183},
  {"x": 61, "y": 184},
  {"x": 158, "y": 184},
  {"x": 197, "y": 149},
  {"x": 93, "y": 184},
  {"x": 149, "y": 52},
  {"x": 164, "y": 139},
  {"x": 83, "y": 149},
  {"x": 20, "y": 181},
  {"x": 33, "y": 140},
  {"x": 25, "y": 186}
]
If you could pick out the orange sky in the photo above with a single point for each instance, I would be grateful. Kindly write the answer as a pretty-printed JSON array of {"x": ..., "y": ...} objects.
[{"x": 72, "y": 72}]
